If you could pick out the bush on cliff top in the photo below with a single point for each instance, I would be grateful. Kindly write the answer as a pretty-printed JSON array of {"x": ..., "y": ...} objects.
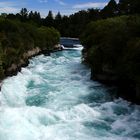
[
  {"x": 17, "y": 38},
  {"x": 114, "y": 45}
]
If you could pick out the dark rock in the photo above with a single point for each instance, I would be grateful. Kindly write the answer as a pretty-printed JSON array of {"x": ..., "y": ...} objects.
[
  {"x": 15, "y": 68},
  {"x": 126, "y": 88}
]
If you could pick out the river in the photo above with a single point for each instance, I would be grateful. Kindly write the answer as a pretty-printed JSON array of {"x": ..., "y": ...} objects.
[{"x": 54, "y": 99}]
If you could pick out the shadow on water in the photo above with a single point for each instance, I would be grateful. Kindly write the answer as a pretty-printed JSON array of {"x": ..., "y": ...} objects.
[{"x": 99, "y": 94}]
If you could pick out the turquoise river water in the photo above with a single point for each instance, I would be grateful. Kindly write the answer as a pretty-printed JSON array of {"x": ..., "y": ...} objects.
[{"x": 54, "y": 99}]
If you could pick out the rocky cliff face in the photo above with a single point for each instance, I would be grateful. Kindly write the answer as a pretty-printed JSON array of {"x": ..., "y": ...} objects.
[
  {"x": 14, "y": 68},
  {"x": 126, "y": 88}
]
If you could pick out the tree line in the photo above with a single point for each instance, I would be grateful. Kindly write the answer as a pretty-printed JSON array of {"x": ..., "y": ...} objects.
[{"x": 72, "y": 26}]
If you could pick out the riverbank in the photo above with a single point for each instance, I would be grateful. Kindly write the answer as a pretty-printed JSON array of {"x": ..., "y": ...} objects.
[
  {"x": 16, "y": 67},
  {"x": 125, "y": 88},
  {"x": 112, "y": 50},
  {"x": 20, "y": 41},
  {"x": 55, "y": 99}
]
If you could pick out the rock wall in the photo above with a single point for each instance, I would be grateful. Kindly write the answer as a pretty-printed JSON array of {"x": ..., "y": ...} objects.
[
  {"x": 14, "y": 68},
  {"x": 126, "y": 88}
]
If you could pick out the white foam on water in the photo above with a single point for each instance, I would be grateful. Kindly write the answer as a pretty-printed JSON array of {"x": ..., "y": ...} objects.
[
  {"x": 14, "y": 91},
  {"x": 76, "y": 48},
  {"x": 54, "y": 99}
]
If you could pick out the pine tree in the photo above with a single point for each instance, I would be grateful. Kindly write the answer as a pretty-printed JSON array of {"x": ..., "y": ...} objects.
[
  {"x": 49, "y": 21},
  {"x": 58, "y": 22},
  {"x": 110, "y": 10},
  {"x": 58, "y": 17},
  {"x": 31, "y": 15},
  {"x": 24, "y": 14}
]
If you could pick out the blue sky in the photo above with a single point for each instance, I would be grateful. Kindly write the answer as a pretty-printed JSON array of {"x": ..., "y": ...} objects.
[{"x": 65, "y": 7}]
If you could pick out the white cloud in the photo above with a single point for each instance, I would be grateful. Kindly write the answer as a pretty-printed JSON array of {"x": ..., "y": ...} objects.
[
  {"x": 2, "y": 4},
  {"x": 9, "y": 10},
  {"x": 8, "y": 7},
  {"x": 90, "y": 5},
  {"x": 60, "y": 2},
  {"x": 43, "y": 1}
]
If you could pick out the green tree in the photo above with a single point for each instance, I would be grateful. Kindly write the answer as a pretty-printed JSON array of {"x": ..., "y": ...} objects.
[
  {"x": 24, "y": 14},
  {"x": 58, "y": 22},
  {"x": 4, "y": 15},
  {"x": 110, "y": 10},
  {"x": 124, "y": 7},
  {"x": 35, "y": 17},
  {"x": 134, "y": 6},
  {"x": 49, "y": 20},
  {"x": 58, "y": 17}
]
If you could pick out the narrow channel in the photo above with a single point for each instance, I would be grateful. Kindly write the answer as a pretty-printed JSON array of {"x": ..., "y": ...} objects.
[{"x": 54, "y": 99}]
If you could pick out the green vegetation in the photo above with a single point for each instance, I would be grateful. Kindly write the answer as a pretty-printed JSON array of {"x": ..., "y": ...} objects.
[
  {"x": 113, "y": 48},
  {"x": 73, "y": 25},
  {"x": 17, "y": 37},
  {"x": 111, "y": 39}
]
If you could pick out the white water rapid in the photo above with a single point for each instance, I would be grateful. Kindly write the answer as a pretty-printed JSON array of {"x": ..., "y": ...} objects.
[{"x": 54, "y": 99}]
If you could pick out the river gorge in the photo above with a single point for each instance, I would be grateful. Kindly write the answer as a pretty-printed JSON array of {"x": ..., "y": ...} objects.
[{"x": 53, "y": 98}]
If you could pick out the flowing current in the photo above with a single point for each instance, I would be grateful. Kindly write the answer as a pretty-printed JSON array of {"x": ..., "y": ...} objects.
[{"x": 54, "y": 99}]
